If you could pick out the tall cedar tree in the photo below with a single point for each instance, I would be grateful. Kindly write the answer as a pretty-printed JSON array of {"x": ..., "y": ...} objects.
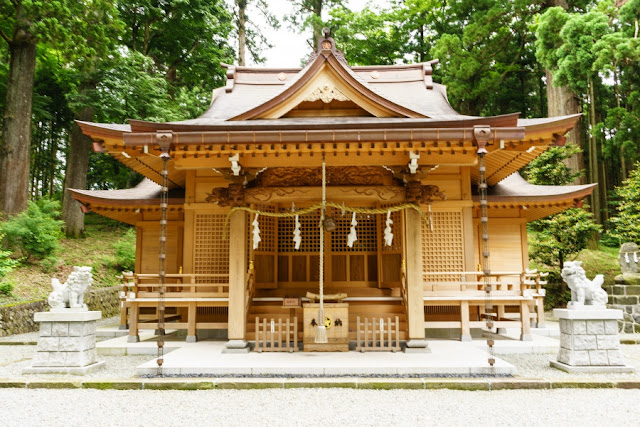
[{"x": 25, "y": 24}]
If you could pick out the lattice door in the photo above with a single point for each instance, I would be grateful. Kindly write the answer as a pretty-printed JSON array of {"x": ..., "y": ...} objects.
[
  {"x": 211, "y": 251},
  {"x": 358, "y": 264},
  {"x": 303, "y": 265},
  {"x": 443, "y": 248},
  {"x": 265, "y": 256},
  {"x": 391, "y": 256}
]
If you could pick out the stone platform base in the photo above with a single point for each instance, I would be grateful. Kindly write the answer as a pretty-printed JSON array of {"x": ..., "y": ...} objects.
[
  {"x": 76, "y": 370},
  {"x": 623, "y": 369}
]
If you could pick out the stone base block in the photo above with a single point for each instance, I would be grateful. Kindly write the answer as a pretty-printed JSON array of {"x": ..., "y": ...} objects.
[
  {"x": 191, "y": 338},
  {"x": 133, "y": 338},
  {"x": 84, "y": 370},
  {"x": 624, "y": 369},
  {"x": 236, "y": 346},
  {"x": 417, "y": 346}
]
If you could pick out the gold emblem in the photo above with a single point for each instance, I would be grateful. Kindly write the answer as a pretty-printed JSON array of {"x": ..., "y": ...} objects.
[
  {"x": 326, "y": 45},
  {"x": 282, "y": 77}
]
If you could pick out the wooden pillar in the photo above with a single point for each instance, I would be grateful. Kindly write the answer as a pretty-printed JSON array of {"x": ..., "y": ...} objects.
[
  {"x": 133, "y": 323},
  {"x": 237, "y": 281},
  {"x": 526, "y": 321},
  {"x": 415, "y": 287}
]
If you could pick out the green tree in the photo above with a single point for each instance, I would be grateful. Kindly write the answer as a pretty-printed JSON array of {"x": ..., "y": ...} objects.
[
  {"x": 73, "y": 27},
  {"x": 250, "y": 36},
  {"x": 627, "y": 221},
  {"x": 307, "y": 14},
  {"x": 550, "y": 168}
]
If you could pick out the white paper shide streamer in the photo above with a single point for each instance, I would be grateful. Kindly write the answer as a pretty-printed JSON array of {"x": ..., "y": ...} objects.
[
  {"x": 388, "y": 234},
  {"x": 352, "y": 237},
  {"x": 297, "y": 238},
  {"x": 256, "y": 233}
]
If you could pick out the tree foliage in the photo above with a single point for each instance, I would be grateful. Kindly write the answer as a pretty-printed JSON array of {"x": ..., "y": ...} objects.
[{"x": 627, "y": 221}]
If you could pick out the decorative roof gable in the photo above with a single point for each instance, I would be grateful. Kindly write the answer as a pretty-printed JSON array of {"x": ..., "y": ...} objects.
[{"x": 328, "y": 78}]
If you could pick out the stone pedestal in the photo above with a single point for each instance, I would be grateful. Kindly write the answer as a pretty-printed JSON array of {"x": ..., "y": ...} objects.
[
  {"x": 67, "y": 342},
  {"x": 589, "y": 341}
]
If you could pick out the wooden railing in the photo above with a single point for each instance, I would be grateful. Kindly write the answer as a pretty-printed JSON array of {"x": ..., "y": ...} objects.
[
  {"x": 186, "y": 286},
  {"x": 276, "y": 336},
  {"x": 466, "y": 289},
  {"x": 378, "y": 334}
]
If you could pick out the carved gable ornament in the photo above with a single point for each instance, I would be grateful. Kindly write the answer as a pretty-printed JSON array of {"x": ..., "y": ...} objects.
[{"x": 326, "y": 93}]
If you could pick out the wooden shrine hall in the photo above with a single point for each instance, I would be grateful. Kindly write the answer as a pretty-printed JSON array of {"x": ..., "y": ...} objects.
[{"x": 357, "y": 190}]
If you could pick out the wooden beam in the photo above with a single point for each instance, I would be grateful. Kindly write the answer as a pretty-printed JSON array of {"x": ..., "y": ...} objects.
[
  {"x": 415, "y": 306},
  {"x": 362, "y": 158}
]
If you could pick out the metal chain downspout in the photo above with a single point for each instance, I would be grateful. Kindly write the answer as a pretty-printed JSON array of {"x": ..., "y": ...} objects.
[
  {"x": 486, "y": 266},
  {"x": 482, "y": 135},
  {"x": 164, "y": 196},
  {"x": 164, "y": 140}
]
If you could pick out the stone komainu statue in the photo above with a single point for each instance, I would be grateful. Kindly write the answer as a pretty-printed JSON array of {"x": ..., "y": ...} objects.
[
  {"x": 71, "y": 293},
  {"x": 583, "y": 290}
]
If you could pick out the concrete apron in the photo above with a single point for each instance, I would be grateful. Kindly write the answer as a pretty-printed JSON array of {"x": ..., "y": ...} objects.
[
  {"x": 205, "y": 358},
  {"x": 446, "y": 358}
]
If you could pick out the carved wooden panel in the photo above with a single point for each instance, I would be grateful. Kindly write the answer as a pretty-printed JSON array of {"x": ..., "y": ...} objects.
[
  {"x": 443, "y": 248},
  {"x": 347, "y": 175}
]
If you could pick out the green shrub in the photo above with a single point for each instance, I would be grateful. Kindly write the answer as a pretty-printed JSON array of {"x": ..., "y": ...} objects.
[
  {"x": 49, "y": 264},
  {"x": 35, "y": 232},
  {"x": 126, "y": 251},
  {"x": 6, "y": 263},
  {"x": 6, "y": 288}
]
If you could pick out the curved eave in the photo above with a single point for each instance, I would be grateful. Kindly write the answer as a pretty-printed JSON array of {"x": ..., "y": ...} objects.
[
  {"x": 535, "y": 201},
  {"x": 109, "y": 138},
  {"x": 127, "y": 211},
  {"x": 329, "y": 123},
  {"x": 539, "y": 135}
]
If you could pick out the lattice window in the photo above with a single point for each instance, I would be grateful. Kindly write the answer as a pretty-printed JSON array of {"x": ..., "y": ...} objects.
[
  {"x": 366, "y": 230},
  {"x": 309, "y": 231},
  {"x": 211, "y": 250},
  {"x": 443, "y": 248}
]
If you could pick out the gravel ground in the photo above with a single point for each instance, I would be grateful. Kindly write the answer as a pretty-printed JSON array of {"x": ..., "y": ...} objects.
[
  {"x": 323, "y": 407},
  {"x": 537, "y": 365}
]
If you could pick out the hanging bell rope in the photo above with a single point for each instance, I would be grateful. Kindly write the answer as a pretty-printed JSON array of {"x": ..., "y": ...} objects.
[{"x": 321, "y": 330}]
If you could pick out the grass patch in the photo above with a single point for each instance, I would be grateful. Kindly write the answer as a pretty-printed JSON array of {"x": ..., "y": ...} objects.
[{"x": 32, "y": 281}]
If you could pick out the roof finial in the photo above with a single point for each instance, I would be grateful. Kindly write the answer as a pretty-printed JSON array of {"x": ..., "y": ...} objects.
[{"x": 326, "y": 32}]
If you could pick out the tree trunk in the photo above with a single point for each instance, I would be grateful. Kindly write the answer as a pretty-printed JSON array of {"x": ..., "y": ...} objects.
[
  {"x": 76, "y": 176},
  {"x": 594, "y": 174},
  {"x": 317, "y": 24},
  {"x": 561, "y": 102},
  {"x": 16, "y": 128},
  {"x": 242, "y": 31}
]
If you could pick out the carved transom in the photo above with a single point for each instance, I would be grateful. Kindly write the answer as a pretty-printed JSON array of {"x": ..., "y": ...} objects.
[
  {"x": 326, "y": 93},
  {"x": 347, "y": 175}
]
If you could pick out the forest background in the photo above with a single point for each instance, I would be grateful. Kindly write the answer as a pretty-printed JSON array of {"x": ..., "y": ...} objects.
[{"x": 112, "y": 60}]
